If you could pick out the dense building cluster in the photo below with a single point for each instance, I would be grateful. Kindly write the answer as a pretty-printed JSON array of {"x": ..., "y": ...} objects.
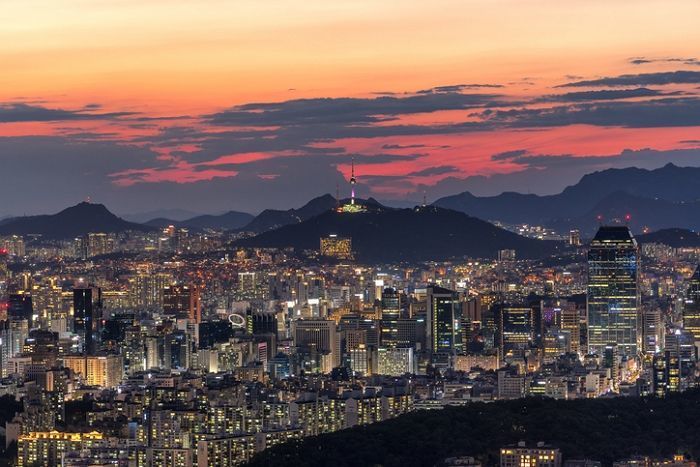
[{"x": 172, "y": 349}]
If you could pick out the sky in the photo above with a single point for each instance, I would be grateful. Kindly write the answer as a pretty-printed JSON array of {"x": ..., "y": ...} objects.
[{"x": 212, "y": 105}]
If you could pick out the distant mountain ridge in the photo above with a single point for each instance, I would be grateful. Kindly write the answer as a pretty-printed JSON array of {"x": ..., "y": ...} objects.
[
  {"x": 397, "y": 235},
  {"x": 74, "y": 221},
  {"x": 676, "y": 238},
  {"x": 228, "y": 221},
  {"x": 271, "y": 219},
  {"x": 661, "y": 198}
]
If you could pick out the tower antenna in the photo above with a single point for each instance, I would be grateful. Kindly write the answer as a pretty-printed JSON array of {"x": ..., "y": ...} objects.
[{"x": 352, "y": 182}]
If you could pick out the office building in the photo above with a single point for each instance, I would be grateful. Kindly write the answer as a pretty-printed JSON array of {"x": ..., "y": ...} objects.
[
  {"x": 515, "y": 328},
  {"x": 613, "y": 296},
  {"x": 691, "y": 306},
  {"x": 391, "y": 312},
  {"x": 443, "y": 318},
  {"x": 87, "y": 312}
]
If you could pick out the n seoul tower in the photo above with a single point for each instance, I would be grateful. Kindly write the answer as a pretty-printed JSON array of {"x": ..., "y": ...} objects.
[{"x": 352, "y": 183}]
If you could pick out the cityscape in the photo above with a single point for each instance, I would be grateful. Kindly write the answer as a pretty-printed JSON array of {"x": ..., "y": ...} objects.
[{"x": 350, "y": 233}]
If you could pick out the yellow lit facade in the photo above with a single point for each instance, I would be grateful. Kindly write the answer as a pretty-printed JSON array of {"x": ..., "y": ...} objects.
[
  {"x": 336, "y": 247},
  {"x": 47, "y": 448}
]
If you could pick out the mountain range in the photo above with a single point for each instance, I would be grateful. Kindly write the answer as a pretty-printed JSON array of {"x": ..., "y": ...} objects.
[
  {"x": 231, "y": 220},
  {"x": 665, "y": 199},
  {"x": 395, "y": 235},
  {"x": 271, "y": 219},
  {"x": 655, "y": 199},
  {"x": 676, "y": 238},
  {"x": 71, "y": 222}
]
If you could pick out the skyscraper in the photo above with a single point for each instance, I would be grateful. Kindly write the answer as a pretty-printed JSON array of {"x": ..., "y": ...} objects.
[
  {"x": 19, "y": 306},
  {"x": 443, "y": 321},
  {"x": 87, "y": 304},
  {"x": 182, "y": 301},
  {"x": 515, "y": 328},
  {"x": 391, "y": 311},
  {"x": 613, "y": 291},
  {"x": 691, "y": 308}
]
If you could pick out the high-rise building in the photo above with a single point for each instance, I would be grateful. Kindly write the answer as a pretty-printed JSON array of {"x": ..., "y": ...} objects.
[
  {"x": 14, "y": 246},
  {"x": 98, "y": 244},
  {"x": 49, "y": 448},
  {"x": 147, "y": 288},
  {"x": 575, "y": 237},
  {"x": 4, "y": 271},
  {"x": 691, "y": 307},
  {"x": 19, "y": 306},
  {"x": 318, "y": 335},
  {"x": 666, "y": 373},
  {"x": 87, "y": 310},
  {"x": 182, "y": 301},
  {"x": 571, "y": 322},
  {"x": 391, "y": 312},
  {"x": 104, "y": 371},
  {"x": 395, "y": 361},
  {"x": 443, "y": 329},
  {"x": 613, "y": 291},
  {"x": 515, "y": 328},
  {"x": 653, "y": 331}
]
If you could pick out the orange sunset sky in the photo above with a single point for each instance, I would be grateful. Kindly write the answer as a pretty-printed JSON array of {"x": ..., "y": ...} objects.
[{"x": 213, "y": 105}]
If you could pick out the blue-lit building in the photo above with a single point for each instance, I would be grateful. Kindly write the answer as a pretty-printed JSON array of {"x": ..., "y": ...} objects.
[
  {"x": 443, "y": 321},
  {"x": 613, "y": 292}
]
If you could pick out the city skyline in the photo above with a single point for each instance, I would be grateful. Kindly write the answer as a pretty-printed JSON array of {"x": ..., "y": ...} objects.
[
  {"x": 459, "y": 233},
  {"x": 243, "y": 106}
]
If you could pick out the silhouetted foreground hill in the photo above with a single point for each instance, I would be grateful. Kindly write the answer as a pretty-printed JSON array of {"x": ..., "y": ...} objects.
[
  {"x": 661, "y": 198},
  {"x": 71, "y": 222},
  {"x": 599, "y": 429},
  {"x": 394, "y": 235}
]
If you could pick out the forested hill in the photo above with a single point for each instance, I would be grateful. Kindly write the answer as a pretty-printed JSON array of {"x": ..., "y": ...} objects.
[{"x": 599, "y": 429}]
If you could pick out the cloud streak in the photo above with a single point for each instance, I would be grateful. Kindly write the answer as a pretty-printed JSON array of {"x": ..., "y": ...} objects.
[{"x": 641, "y": 79}]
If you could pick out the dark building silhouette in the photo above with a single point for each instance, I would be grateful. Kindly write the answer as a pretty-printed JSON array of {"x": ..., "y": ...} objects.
[
  {"x": 87, "y": 311},
  {"x": 19, "y": 306}
]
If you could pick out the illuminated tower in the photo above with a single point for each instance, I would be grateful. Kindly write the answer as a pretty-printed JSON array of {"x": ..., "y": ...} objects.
[
  {"x": 443, "y": 332},
  {"x": 691, "y": 308},
  {"x": 87, "y": 311},
  {"x": 352, "y": 183},
  {"x": 613, "y": 291},
  {"x": 391, "y": 312}
]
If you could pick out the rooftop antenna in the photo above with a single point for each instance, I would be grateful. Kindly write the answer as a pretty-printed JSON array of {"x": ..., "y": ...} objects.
[{"x": 425, "y": 201}]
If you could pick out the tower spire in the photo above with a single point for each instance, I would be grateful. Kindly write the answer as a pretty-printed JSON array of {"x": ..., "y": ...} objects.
[{"x": 352, "y": 183}]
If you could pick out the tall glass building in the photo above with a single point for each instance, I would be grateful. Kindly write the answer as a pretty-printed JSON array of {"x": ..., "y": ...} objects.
[
  {"x": 443, "y": 321},
  {"x": 391, "y": 311},
  {"x": 691, "y": 307},
  {"x": 613, "y": 292}
]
